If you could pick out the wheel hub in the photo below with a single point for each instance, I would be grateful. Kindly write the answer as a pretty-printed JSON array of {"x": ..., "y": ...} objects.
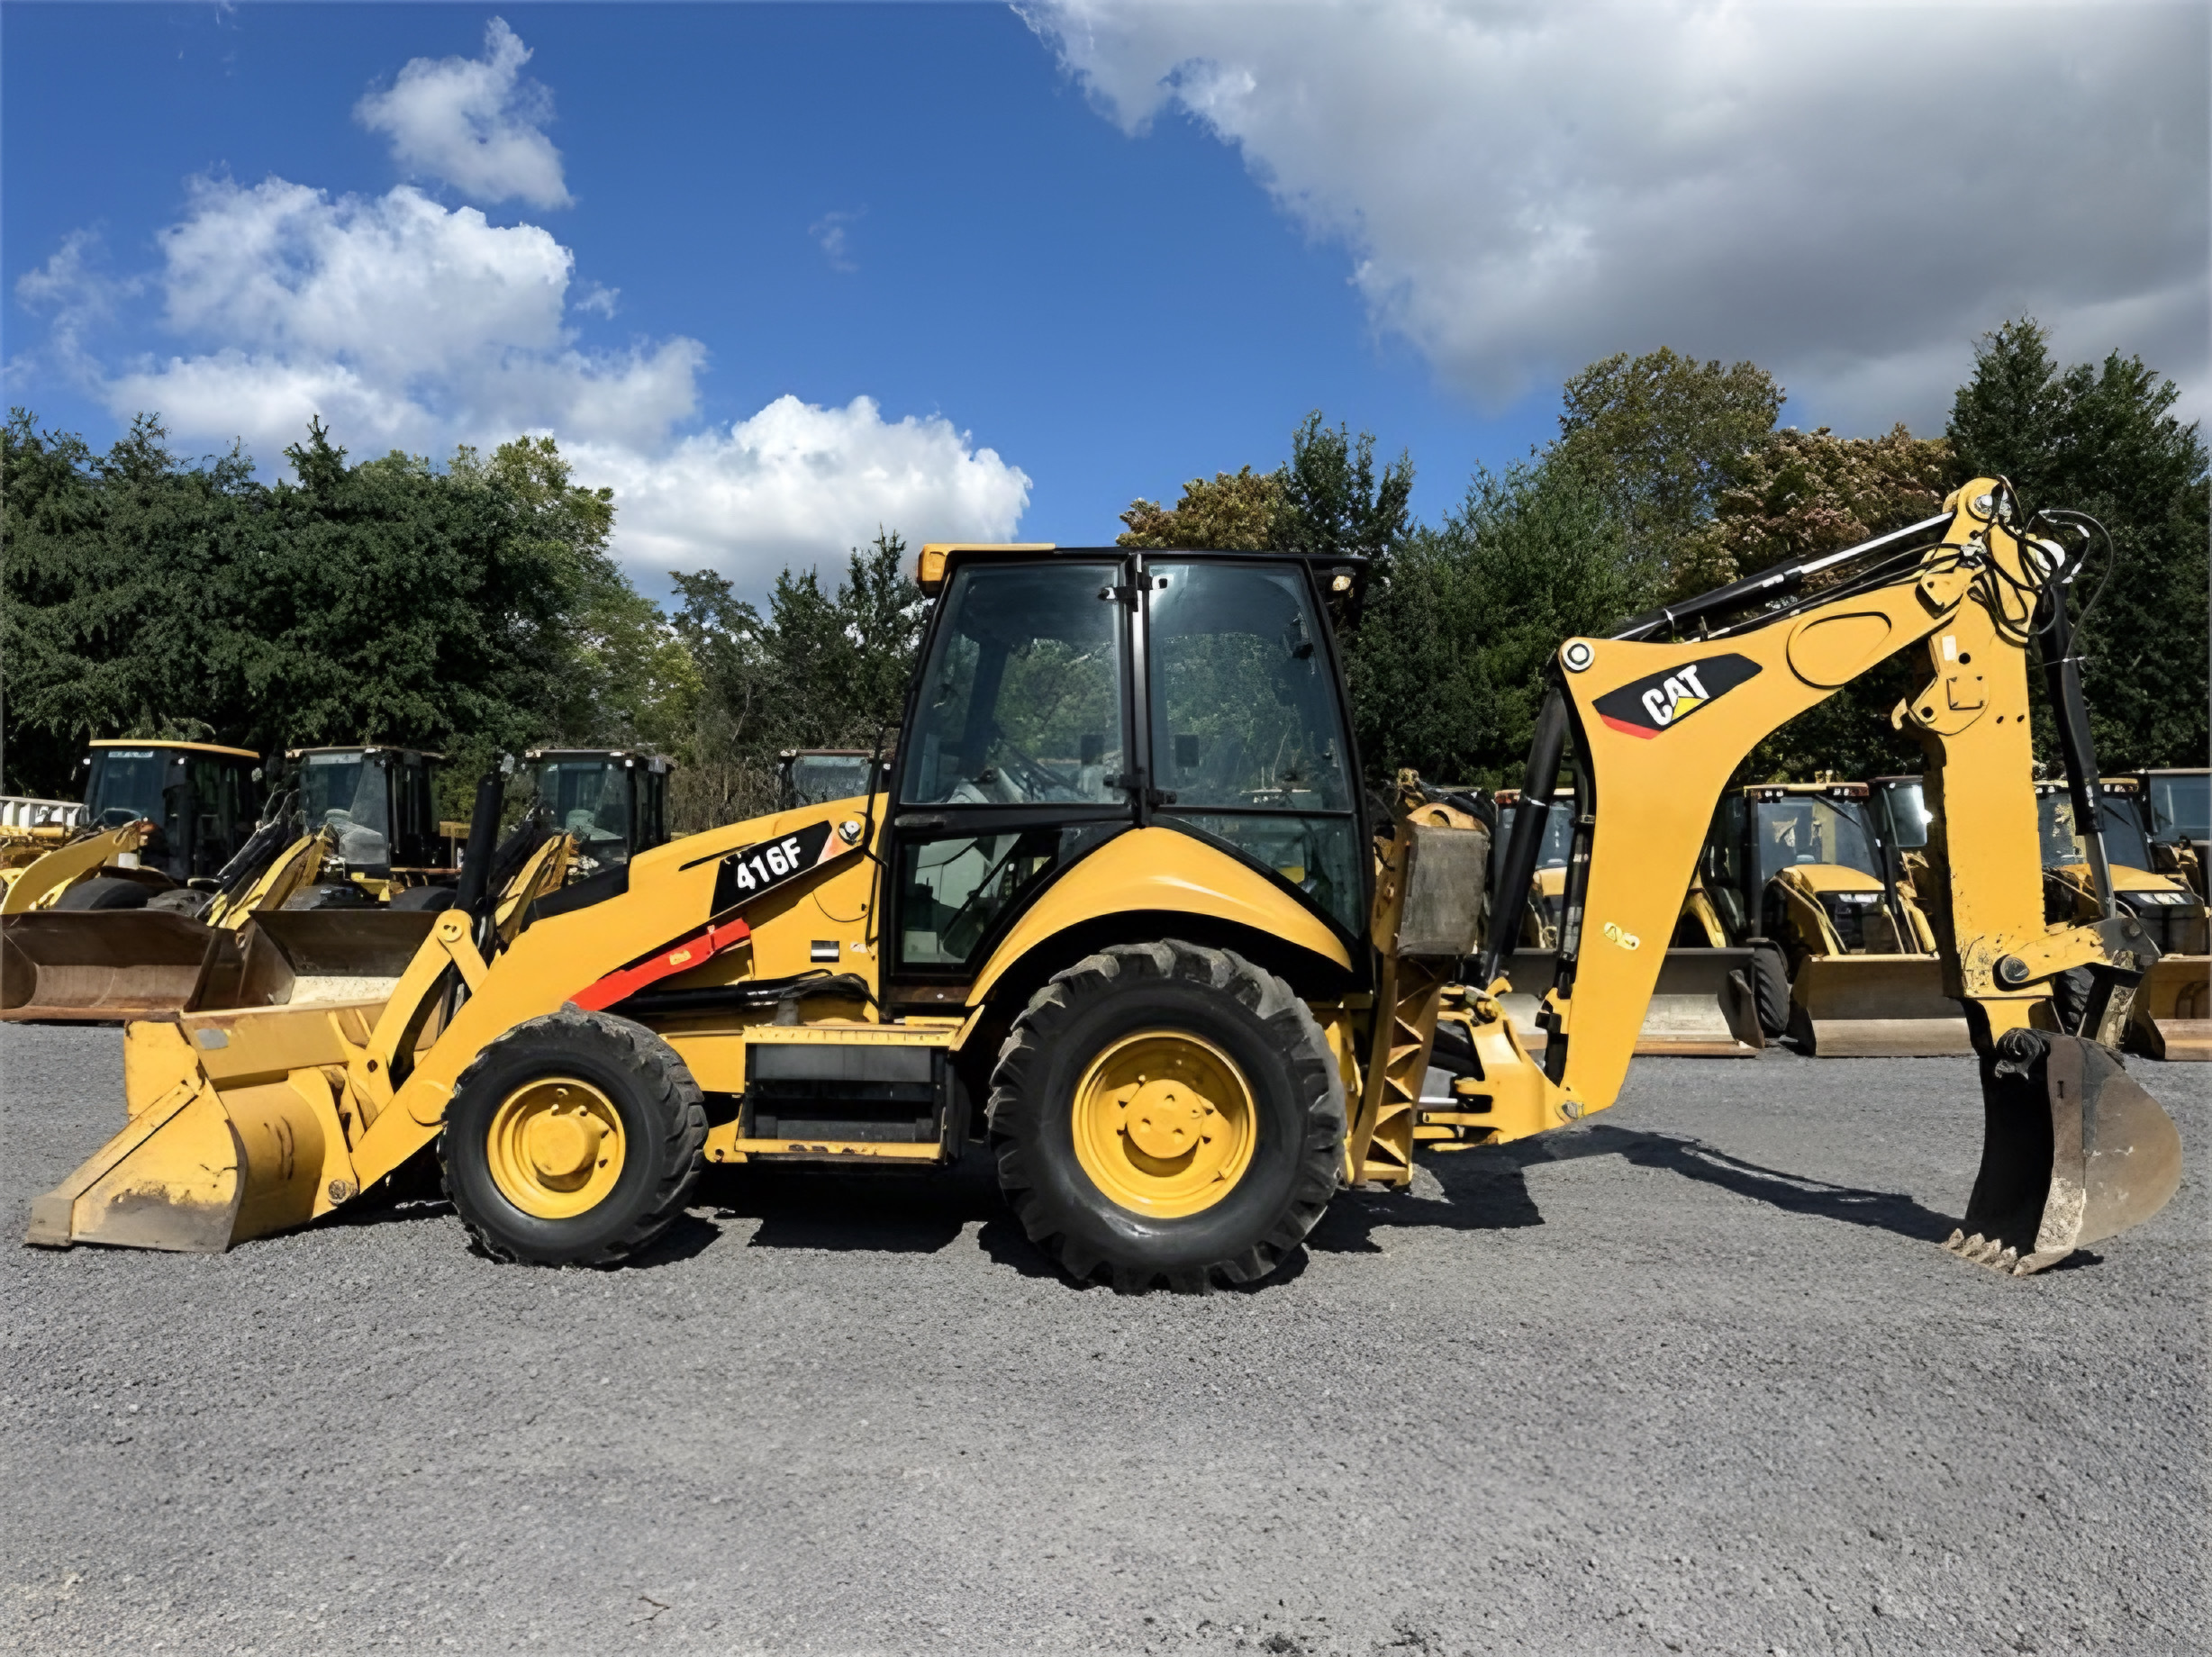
[
  {"x": 1165, "y": 1123},
  {"x": 555, "y": 1147}
]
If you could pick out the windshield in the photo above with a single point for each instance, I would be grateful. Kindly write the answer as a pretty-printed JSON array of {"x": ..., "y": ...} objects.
[
  {"x": 1022, "y": 703},
  {"x": 1804, "y": 829},
  {"x": 817, "y": 779},
  {"x": 588, "y": 798},
  {"x": 1558, "y": 834},
  {"x": 2182, "y": 807},
  {"x": 125, "y": 787},
  {"x": 1907, "y": 813},
  {"x": 345, "y": 794},
  {"x": 2125, "y": 845}
]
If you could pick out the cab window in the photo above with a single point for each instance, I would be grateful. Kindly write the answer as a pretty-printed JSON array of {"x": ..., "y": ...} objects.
[{"x": 1021, "y": 704}]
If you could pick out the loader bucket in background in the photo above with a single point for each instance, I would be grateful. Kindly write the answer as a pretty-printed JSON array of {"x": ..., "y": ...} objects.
[
  {"x": 234, "y": 1133},
  {"x": 2074, "y": 1151},
  {"x": 295, "y": 956},
  {"x": 1703, "y": 1006},
  {"x": 101, "y": 965},
  {"x": 1876, "y": 1007},
  {"x": 2173, "y": 1007}
]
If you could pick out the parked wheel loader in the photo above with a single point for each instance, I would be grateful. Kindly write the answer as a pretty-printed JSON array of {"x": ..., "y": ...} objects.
[
  {"x": 324, "y": 885},
  {"x": 1704, "y": 1004},
  {"x": 1126, "y": 925},
  {"x": 2170, "y": 1014},
  {"x": 1844, "y": 958},
  {"x": 157, "y": 815}
]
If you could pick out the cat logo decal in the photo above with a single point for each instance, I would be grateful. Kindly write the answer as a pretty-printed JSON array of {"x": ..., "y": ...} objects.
[{"x": 1664, "y": 700}]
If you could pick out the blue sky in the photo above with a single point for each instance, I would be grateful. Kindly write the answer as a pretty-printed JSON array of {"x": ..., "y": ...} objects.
[{"x": 1067, "y": 263}]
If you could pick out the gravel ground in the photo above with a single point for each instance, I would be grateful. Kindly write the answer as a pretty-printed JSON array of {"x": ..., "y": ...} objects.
[{"x": 1693, "y": 1377}]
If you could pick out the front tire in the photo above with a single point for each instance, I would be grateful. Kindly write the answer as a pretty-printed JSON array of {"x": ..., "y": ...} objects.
[
  {"x": 1163, "y": 1111},
  {"x": 103, "y": 891},
  {"x": 572, "y": 1139},
  {"x": 1770, "y": 985}
]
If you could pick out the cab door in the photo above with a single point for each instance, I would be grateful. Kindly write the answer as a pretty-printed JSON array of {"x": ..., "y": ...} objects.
[{"x": 1015, "y": 760}]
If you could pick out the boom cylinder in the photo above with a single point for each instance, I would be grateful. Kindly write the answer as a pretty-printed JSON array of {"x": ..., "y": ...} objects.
[{"x": 1530, "y": 817}]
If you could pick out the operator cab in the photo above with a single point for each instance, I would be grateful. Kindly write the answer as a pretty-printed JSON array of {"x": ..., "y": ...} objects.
[
  {"x": 612, "y": 803},
  {"x": 1066, "y": 697},
  {"x": 820, "y": 776},
  {"x": 1762, "y": 830},
  {"x": 379, "y": 806},
  {"x": 201, "y": 798}
]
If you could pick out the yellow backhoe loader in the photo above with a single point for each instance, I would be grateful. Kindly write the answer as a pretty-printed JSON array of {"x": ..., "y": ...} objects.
[
  {"x": 1124, "y": 924},
  {"x": 1705, "y": 1003},
  {"x": 2170, "y": 1014},
  {"x": 1844, "y": 959}
]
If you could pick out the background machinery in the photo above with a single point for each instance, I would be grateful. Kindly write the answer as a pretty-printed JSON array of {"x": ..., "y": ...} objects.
[
  {"x": 1127, "y": 926},
  {"x": 1844, "y": 960},
  {"x": 2178, "y": 817},
  {"x": 611, "y": 802},
  {"x": 156, "y": 816},
  {"x": 816, "y": 777},
  {"x": 2169, "y": 1012}
]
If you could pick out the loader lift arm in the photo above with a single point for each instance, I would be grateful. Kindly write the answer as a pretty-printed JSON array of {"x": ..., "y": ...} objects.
[{"x": 1766, "y": 648}]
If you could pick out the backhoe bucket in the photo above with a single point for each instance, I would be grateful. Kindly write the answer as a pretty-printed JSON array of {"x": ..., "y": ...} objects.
[
  {"x": 2173, "y": 1011},
  {"x": 101, "y": 965},
  {"x": 2074, "y": 1151},
  {"x": 1703, "y": 1006},
  {"x": 1876, "y": 1007},
  {"x": 292, "y": 956},
  {"x": 234, "y": 1133}
]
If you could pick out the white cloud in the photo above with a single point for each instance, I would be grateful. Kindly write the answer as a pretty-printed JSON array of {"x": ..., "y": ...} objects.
[
  {"x": 474, "y": 122},
  {"x": 405, "y": 324},
  {"x": 833, "y": 233},
  {"x": 1845, "y": 194},
  {"x": 798, "y": 481}
]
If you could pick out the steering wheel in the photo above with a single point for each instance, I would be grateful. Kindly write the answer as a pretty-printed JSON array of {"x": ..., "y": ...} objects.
[{"x": 1029, "y": 771}]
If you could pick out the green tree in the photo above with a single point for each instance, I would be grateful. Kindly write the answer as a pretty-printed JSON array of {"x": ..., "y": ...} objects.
[
  {"x": 821, "y": 669},
  {"x": 2104, "y": 440},
  {"x": 1661, "y": 434},
  {"x": 1235, "y": 511},
  {"x": 1335, "y": 502},
  {"x": 1449, "y": 666},
  {"x": 1799, "y": 494}
]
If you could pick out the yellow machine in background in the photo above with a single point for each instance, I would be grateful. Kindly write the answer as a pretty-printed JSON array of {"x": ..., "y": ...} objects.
[
  {"x": 1125, "y": 927},
  {"x": 1802, "y": 876},
  {"x": 2178, "y": 818},
  {"x": 2170, "y": 1015}
]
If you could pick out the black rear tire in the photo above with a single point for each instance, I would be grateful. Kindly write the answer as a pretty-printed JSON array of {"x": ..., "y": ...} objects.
[
  {"x": 663, "y": 1125},
  {"x": 1298, "y": 1111},
  {"x": 1770, "y": 985},
  {"x": 105, "y": 891},
  {"x": 424, "y": 898},
  {"x": 2070, "y": 999}
]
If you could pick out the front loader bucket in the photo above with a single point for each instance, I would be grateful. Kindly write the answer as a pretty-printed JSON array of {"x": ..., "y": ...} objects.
[
  {"x": 234, "y": 1133},
  {"x": 101, "y": 965},
  {"x": 1703, "y": 1006},
  {"x": 2173, "y": 1011},
  {"x": 291, "y": 956},
  {"x": 2072, "y": 1152},
  {"x": 1876, "y": 1007}
]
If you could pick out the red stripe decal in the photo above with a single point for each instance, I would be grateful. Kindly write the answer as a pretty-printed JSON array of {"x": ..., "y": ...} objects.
[
  {"x": 1627, "y": 730},
  {"x": 677, "y": 957}
]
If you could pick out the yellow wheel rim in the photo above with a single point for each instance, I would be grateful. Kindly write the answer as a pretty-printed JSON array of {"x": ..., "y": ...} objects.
[
  {"x": 555, "y": 1147},
  {"x": 1165, "y": 1123}
]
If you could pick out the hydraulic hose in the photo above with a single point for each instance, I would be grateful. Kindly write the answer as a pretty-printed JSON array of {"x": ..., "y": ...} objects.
[
  {"x": 2070, "y": 710},
  {"x": 1530, "y": 817}
]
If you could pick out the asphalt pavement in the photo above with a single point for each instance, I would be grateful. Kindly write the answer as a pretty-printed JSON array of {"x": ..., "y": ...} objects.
[{"x": 1693, "y": 1377}]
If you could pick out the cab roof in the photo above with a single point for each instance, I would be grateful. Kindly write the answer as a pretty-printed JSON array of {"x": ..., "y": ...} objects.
[{"x": 163, "y": 742}]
